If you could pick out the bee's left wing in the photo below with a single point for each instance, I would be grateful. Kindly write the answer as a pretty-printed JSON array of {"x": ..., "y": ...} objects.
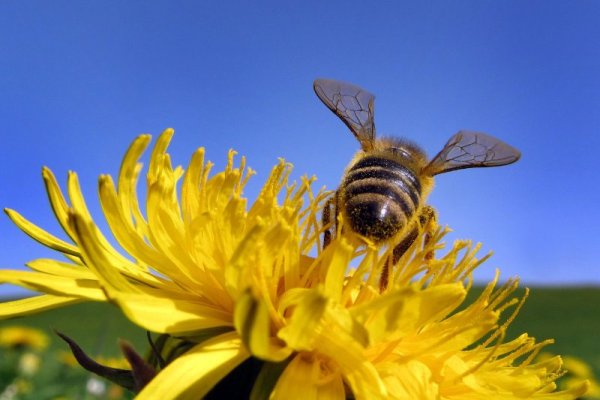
[
  {"x": 353, "y": 105},
  {"x": 469, "y": 149}
]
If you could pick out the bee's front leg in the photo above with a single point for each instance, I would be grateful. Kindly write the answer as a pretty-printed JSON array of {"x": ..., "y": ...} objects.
[{"x": 427, "y": 223}]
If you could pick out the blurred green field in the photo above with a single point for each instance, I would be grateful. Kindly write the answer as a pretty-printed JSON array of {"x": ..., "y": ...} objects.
[
  {"x": 571, "y": 316},
  {"x": 94, "y": 326}
]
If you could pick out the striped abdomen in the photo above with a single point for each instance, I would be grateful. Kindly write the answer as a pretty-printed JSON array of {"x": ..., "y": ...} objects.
[{"x": 380, "y": 196}]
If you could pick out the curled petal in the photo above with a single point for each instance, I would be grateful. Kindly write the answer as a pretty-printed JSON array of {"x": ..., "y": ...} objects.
[{"x": 192, "y": 375}]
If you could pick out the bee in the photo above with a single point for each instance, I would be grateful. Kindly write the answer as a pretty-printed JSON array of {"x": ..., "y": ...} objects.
[{"x": 384, "y": 188}]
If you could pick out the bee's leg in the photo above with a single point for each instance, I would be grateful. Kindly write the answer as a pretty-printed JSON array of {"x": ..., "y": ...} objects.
[
  {"x": 404, "y": 245},
  {"x": 427, "y": 222},
  {"x": 398, "y": 251},
  {"x": 329, "y": 210}
]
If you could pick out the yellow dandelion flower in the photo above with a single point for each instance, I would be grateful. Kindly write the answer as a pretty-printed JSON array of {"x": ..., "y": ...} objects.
[
  {"x": 22, "y": 336},
  {"x": 240, "y": 280}
]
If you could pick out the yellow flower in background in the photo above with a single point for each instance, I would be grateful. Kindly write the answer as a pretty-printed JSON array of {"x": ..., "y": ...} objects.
[
  {"x": 66, "y": 358},
  {"x": 242, "y": 280},
  {"x": 113, "y": 362},
  {"x": 22, "y": 336}
]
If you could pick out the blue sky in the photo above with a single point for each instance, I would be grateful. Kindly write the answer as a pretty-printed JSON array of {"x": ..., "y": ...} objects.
[{"x": 79, "y": 80}]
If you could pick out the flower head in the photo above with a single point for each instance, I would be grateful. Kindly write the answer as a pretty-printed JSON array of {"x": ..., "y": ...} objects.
[
  {"x": 235, "y": 280},
  {"x": 23, "y": 337}
]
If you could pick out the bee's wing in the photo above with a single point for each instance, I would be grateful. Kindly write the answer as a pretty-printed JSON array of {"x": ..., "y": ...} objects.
[
  {"x": 352, "y": 105},
  {"x": 469, "y": 149}
]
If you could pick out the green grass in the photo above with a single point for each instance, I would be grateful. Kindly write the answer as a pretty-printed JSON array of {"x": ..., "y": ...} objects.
[
  {"x": 571, "y": 316},
  {"x": 94, "y": 326}
]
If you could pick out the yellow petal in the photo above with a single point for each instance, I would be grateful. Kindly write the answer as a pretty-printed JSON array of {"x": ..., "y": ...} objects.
[
  {"x": 40, "y": 235},
  {"x": 305, "y": 378},
  {"x": 57, "y": 200},
  {"x": 236, "y": 271},
  {"x": 31, "y": 305},
  {"x": 195, "y": 373},
  {"x": 80, "y": 209},
  {"x": 412, "y": 380},
  {"x": 349, "y": 356},
  {"x": 86, "y": 289},
  {"x": 254, "y": 325},
  {"x": 98, "y": 258},
  {"x": 337, "y": 261},
  {"x": 116, "y": 273},
  {"x": 402, "y": 311},
  {"x": 192, "y": 181},
  {"x": 61, "y": 268},
  {"x": 306, "y": 322},
  {"x": 128, "y": 176},
  {"x": 136, "y": 245},
  {"x": 157, "y": 158},
  {"x": 168, "y": 315},
  {"x": 314, "y": 326}
]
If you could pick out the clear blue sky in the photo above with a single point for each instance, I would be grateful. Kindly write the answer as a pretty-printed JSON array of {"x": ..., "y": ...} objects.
[{"x": 80, "y": 79}]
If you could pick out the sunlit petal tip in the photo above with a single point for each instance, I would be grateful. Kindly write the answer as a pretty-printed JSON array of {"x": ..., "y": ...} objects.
[
  {"x": 35, "y": 304},
  {"x": 164, "y": 138},
  {"x": 46, "y": 172},
  {"x": 105, "y": 180}
]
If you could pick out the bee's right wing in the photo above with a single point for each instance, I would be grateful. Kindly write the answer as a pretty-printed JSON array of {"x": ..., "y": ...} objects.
[
  {"x": 469, "y": 149},
  {"x": 353, "y": 105}
]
